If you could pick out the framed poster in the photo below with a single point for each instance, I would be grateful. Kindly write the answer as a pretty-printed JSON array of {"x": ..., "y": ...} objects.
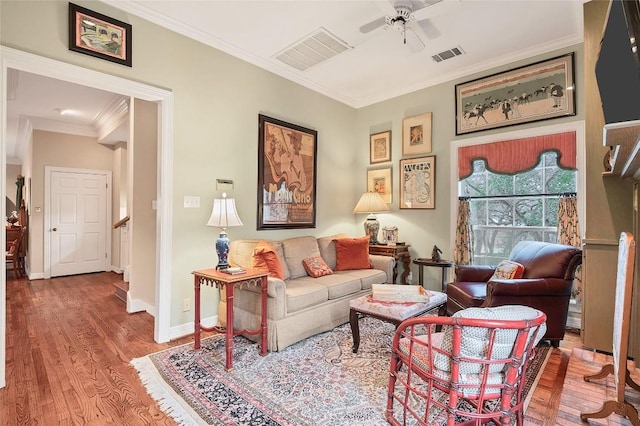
[
  {"x": 531, "y": 93},
  {"x": 416, "y": 134},
  {"x": 286, "y": 175},
  {"x": 380, "y": 147},
  {"x": 379, "y": 180},
  {"x": 418, "y": 183},
  {"x": 98, "y": 35}
]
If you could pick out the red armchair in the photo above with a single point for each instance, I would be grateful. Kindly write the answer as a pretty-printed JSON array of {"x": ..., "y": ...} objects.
[{"x": 546, "y": 284}]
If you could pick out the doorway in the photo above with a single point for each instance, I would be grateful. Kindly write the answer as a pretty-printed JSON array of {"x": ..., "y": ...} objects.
[{"x": 23, "y": 61}]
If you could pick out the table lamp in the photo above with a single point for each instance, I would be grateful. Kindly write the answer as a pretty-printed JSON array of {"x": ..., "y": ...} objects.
[
  {"x": 223, "y": 215},
  {"x": 371, "y": 202}
]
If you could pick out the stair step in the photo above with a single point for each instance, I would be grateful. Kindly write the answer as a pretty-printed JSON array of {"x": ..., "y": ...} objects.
[{"x": 122, "y": 288}]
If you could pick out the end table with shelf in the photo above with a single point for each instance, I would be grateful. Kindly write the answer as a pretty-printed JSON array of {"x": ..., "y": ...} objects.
[
  {"x": 444, "y": 264},
  {"x": 399, "y": 253},
  {"x": 213, "y": 277}
]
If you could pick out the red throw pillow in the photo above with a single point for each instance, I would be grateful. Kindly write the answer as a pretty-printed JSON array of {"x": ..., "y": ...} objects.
[
  {"x": 352, "y": 253},
  {"x": 508, "y": 270},
  {"x": 316, "y": 267},
  {"x": 265, "y": 257}
]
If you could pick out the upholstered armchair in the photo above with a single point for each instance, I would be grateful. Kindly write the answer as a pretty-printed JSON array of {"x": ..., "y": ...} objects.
[{"x": 544, "y": 281}]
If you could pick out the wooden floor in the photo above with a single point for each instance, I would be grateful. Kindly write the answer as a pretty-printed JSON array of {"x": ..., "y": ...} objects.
[{"x": 70, "y": 342}]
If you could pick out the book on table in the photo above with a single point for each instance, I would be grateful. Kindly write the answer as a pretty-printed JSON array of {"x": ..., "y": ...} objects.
[
  {"x": 399, "y": 293},
  {"x": 234, "y": 270}
]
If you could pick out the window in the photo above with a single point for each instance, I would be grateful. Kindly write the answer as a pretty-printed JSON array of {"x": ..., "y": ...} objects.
[{"x": 508, "y": 208}]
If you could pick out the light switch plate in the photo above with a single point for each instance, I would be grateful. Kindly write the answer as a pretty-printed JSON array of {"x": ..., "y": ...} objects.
[{"x": 191, "y": 202}]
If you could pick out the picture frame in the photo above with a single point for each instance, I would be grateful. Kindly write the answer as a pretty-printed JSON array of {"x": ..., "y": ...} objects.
[
  {"x": 98, "y": 35},
  {"x": 379, "y": 180},
  {"x": 380, "y": 147},
  {"x": 535, "y": 92},
  {"x": 286, "y": 175},
  {"x": 416, "y": 134},
  {"x": 418, "y": 183}
]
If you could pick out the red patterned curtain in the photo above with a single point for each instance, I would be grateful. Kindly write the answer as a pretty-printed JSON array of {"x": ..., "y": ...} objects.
[{"x": 518, "y": 155}]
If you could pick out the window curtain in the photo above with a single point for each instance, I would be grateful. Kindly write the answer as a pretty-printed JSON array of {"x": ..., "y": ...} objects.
[
  {"x": 463, "y": 252},
  {"x": 569, "y": 234}
]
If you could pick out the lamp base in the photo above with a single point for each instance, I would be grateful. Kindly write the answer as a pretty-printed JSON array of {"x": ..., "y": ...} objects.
[
  {"x": 222, "y": 248},
  {"x": 371, "y": 228}
]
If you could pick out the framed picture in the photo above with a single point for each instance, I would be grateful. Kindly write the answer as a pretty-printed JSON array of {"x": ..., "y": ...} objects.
[
  {"x": 98, "y": 35},
  {"x": 418, "y": 183},
  {"x": 380, "y": 147},
  {"x": 286, "y": 175},
  {"x": 379, "y": 180},
  {"x": 416, "y": 134},
  {"x": 534, "y": 92}
]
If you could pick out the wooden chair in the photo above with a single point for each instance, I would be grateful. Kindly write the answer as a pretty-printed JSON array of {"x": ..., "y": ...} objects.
[
  {"x": 13, "y": 253},
  {"x": 470, "y": 373},
  {"x": 621, "y": 323}
]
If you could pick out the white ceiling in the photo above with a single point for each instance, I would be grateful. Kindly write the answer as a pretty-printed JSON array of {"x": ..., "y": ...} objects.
[{"x": 377, "y": 67}]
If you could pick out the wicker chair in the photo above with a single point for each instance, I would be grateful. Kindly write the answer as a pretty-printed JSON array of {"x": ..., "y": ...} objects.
[{"x": 470, "y": 373}]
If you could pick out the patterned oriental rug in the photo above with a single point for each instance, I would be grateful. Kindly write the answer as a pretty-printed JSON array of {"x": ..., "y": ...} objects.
[{"x": 318, "y": 381}]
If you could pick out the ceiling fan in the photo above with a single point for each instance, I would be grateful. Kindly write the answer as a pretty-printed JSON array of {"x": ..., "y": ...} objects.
[{"x": 410, "y": 18}]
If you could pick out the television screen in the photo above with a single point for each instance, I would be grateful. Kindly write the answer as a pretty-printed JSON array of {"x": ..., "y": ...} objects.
[{"x": 618, "y": 64}]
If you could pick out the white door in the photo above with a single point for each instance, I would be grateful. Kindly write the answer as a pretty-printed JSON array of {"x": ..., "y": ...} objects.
[{"x": 78, "y": 221}]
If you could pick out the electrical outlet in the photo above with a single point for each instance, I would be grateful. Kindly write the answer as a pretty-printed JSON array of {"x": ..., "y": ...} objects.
[{"x": 186, "y": 305}]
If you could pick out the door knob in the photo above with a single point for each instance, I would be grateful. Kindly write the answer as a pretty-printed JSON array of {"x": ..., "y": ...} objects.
[{"x": 54, "y": 229}]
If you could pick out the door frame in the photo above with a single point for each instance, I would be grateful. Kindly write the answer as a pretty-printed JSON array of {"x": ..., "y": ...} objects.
[
  {"x": 48, "y": 171},
  {"x": 23, "y": 61}
]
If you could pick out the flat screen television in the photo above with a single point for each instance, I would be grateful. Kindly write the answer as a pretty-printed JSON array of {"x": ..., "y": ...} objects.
[{"x": 618, "y": 64}]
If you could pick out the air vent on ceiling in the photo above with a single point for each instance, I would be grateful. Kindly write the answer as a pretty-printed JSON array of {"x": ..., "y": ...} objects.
[
  {"x": 448, "y": 54},
  {"x": 311, "y": 50}
]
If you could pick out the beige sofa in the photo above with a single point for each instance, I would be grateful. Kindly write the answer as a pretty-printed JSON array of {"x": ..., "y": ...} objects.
[{"x": 300, "y": 306}]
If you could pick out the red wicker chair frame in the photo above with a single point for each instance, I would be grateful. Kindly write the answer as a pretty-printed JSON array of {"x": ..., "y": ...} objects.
[{"x": 474, "y": 391}]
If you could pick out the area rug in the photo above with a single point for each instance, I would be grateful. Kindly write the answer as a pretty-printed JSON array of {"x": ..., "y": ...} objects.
[{"x": 318, "y": 381}]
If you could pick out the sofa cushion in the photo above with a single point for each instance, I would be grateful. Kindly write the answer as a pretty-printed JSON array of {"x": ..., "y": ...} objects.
[
  {"x": 508, "y": 270},
  {"x": 296, "y": 250},
  {"x": 305, "y": 293},
  {"x": 352, "y": 253},
  {"x": 316, "y": 267},
  {"x": 328, "y": 249},
  {"x": 337, "y": 285},
  {"x": 366, "y": 276},
  {"x": 265, "y": 256}
]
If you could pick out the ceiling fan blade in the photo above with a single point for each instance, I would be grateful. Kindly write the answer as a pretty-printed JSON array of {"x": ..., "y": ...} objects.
[
  {"x": 428, "y": 29},
  {"x": 413, "y": 41},
  {"x": 373, "y": 25}
]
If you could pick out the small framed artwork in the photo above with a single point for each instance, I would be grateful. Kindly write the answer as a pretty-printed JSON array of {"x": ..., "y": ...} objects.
[
  {"x": 418, "y": 183},
  {"x": 98, "y": 35},
  {"x": 379, "y": 180},
  {"x": 416, "y": 134},
  {"x": 286, "y": 175},
  {"x": 531, "y": 93},
  {"x": 380, "y": 147}
]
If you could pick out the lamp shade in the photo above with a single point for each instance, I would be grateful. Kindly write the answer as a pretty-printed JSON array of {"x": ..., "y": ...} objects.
[
  {"x": 224, "y": 213},
  {"x": 371, "y": 202}
]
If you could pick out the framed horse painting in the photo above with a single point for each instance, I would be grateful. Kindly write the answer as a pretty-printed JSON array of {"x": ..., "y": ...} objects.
[{"x": 530, "y": 93}]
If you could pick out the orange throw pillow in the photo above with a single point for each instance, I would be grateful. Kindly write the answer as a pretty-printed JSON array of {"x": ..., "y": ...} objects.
[
  {"x": 316, "y": 267},
  {"x": 508, "y": 270},
  {"x": 265, "y": 257},
  {"x": 352, "y": 253}
]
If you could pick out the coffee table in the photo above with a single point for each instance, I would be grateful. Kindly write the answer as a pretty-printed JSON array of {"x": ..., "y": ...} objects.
[{"x": 392, "y": 312}]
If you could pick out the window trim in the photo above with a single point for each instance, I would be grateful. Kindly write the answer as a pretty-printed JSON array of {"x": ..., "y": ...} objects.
[{"x": 577, "y": 126}]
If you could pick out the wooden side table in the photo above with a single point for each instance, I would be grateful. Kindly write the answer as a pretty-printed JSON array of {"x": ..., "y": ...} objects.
[
  {"x": 399, "y": 253},
  {"x": 444, "y": 264},
  {"x": 219, "y": 279}
]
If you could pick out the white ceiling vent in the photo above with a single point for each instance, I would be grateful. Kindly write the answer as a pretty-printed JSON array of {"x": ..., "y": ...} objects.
[
  {"x": 311, "y": 50},
  {"x": 448, "y": 54}
]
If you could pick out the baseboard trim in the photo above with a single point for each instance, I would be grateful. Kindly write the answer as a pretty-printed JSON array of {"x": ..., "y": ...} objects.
[
  {"x": 137, "y": 305},
  {"x": 186, "y": 329}
]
